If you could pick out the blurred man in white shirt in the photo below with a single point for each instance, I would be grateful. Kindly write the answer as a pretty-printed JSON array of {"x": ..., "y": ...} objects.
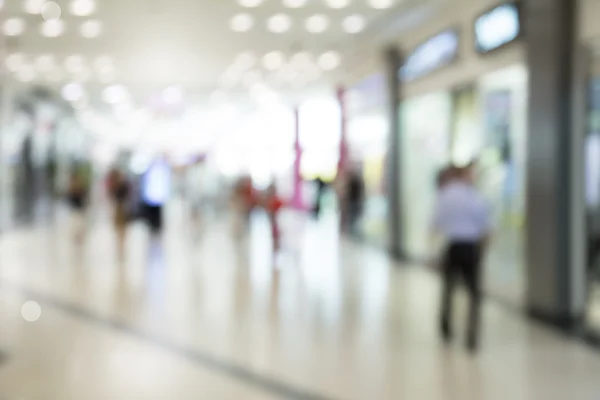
[{"x": 463, "y": 217}]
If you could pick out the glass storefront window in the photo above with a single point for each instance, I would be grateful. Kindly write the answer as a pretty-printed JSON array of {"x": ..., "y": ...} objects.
[{"x": 425, "y": 150}]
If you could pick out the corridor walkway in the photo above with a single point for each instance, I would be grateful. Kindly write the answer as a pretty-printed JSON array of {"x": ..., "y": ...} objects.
[{"x": 202, "y": 317}]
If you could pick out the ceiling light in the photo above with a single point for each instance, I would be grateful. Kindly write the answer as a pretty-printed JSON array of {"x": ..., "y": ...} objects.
[
  {"x": 52, "y": 28},
  {"x": 250, "y": 3},
  {"x": 338, "y": 3},
  {"x": 72, "y": 92},
  {"x": 294, "y": 3},
  {"x": 74, "y": 64},
  {"x": 329, "y": 61},
  {"x": 301, "y": 60},
  {"x": 381, "y": 4},
  {"x": 26, "y": 73},
  {"x": 354, "y": 23},
  {"x": 245, "y": 60},
  {"x": 273, "y": 60},
  {"x": 279, "y": 23},
  {"x": 241, "y": 22},
  {"x": 44, "y": 63},
  {"x": 82, "y": 8},
  {"x": 91, "y": 29},
  {"x": 13, "y": 27},
  {"x": 50, "y": 11},
  {"x": 14, "y": 61},
  {"x": 317, "y": 23},
  {"x": 33, "y": 6},
  {"x": 114, "y": 94}
]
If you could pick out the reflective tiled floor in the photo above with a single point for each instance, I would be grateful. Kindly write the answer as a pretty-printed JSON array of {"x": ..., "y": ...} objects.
[{"x": 204, "y": 317}]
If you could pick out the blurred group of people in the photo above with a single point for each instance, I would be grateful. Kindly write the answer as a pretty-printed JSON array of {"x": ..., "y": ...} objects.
[{"x": 246, "y": 199}]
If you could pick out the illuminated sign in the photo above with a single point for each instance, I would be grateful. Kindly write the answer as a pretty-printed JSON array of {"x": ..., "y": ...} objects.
[
  {"x": 497, "y": 27},
  {"x": 435, "y": 53}
]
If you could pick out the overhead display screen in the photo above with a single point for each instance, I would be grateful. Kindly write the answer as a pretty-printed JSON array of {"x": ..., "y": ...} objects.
[
  {"x": 435, "y": 53},
  {"x": 497, "y": 27}
]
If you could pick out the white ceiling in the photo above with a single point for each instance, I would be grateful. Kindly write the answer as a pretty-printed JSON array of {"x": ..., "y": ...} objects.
[{"x": 157, "y": 43}]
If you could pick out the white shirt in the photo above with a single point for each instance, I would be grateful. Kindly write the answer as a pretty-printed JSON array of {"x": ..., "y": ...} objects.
[
  {"x": 156, "y": 184},
  {"x": 461, "y": 213}
]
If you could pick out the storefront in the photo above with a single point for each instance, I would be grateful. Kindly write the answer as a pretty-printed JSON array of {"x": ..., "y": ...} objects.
[
  {"x": 367, "y": 140},
  {"x": 473, "y": 108}
]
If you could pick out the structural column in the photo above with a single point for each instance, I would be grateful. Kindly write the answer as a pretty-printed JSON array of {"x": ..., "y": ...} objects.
[
  {"x": 393, "y": 62},
  {"x": 555, "y": 214}
]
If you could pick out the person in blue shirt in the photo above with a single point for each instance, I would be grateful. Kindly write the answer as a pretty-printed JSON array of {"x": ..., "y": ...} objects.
[
  {"x": 463, "y": 218},
  {"x": 155, "y": 191}
]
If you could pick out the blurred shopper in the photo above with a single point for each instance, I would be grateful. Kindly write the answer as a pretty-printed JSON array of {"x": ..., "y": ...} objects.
[
  {"x": 156, "y": 189},
  {"x": 244, "y": 201},
  {"x": 273, "y": 204},
  {"x": 463, "y": 218},
  {"x": 321, "y": 188},
  {"x": 77, "y": 196},
  {"x": 355, "y": 192},
  {"x": 120, "y": 194}
]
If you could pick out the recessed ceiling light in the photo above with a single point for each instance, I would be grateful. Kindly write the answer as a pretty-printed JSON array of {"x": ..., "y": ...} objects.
[
  {"x": 72, "y": 92},
  {"x": 279, "y": 23},
  {"x": 114, "y": 94},
  {"x": 245, "y": 60},
  {"x": 301, "y": 60},
  {"x": 26, "y": 73},
  {"x": 354, "y": 23},
  {"x": 329, "y": 61},
  {"x": 338, "y": 3},
  {"x": 241, "y": 22},
  {"x": 91, "y": 29},
  {"x": 33, "y": 6},
  {"x": 294, "y": 3},
  {"x": 83, "y": 8},
  {"x": 381, "y": 4},
  {"x": 250, "y": 3},
  {"x": 45, "y": 63},
  {"x": 52, "y": 28},
  {"x": 50, "y": 11},
  {"x": 317, "y": 23},
  {"x": 273, "y": 60},
  {"x": 14, "y": 61},
  {"x": 13, "y": 27},
  {"x": 74, "y": 64}
]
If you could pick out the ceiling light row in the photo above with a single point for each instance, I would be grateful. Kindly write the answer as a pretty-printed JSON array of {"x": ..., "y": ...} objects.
[
  {"x": 52, "y": 28},
  {"x": 337, "y": 4},
  {"x": 275, "y": 60},
  {"x": 51, "y": 10},
  {"x": 46, "y": 65},
  {"x": 281, "y": 23}
]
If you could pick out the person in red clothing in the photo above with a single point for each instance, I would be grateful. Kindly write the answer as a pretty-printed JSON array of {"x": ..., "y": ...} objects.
[{"x": 273, "y": 204}]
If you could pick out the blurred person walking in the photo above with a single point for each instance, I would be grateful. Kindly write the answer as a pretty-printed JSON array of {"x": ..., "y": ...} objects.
[
  {"x": 273, "y": 204},
  {"x": 244, "y": 201},
  {"x": 120, "y": 194},
  {"x": 77, "y": 197},
  {"x": 156, "y": 189},
  {"x": 355, "y": 192},
  {"x": 463, "y": 217}
]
